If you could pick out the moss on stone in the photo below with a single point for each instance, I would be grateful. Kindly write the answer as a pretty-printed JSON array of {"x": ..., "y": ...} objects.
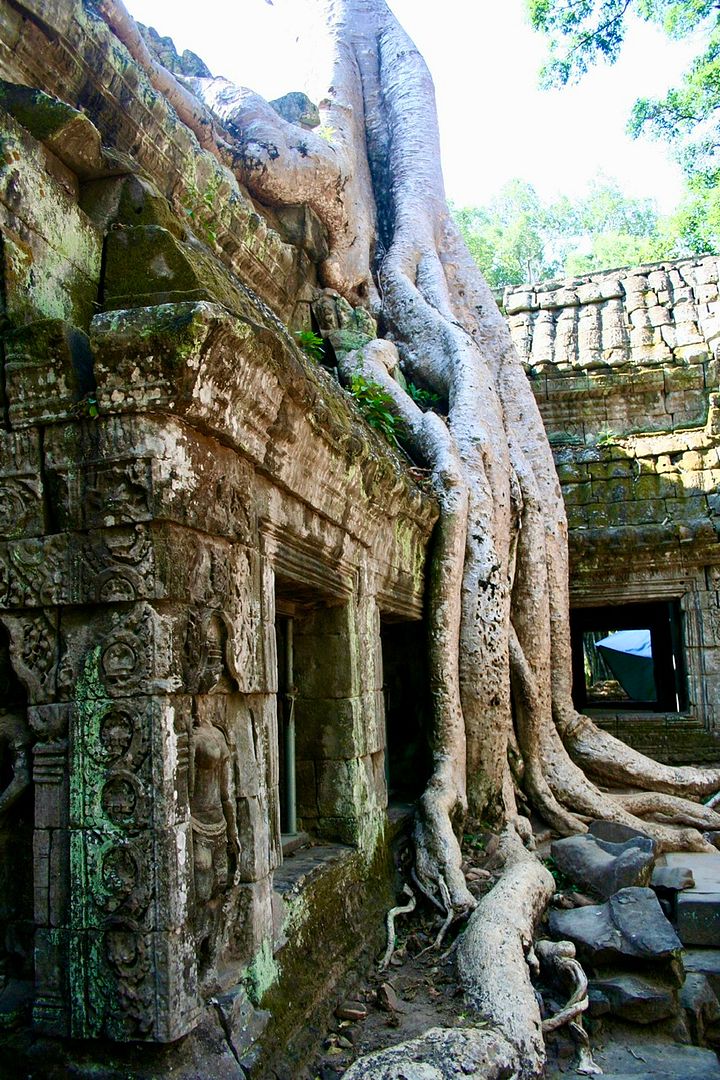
[
  {"x": 345, "y": 341},
  {"x": 262, "y": 974},
  {"x": 337, "y": 922},
  {"x": 41, "y": 114}
]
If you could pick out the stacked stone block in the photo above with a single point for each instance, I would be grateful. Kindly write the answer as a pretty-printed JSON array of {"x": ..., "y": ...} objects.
[
  {"x": 627, "y": 350},
  {"x": 168, "y": 460}
]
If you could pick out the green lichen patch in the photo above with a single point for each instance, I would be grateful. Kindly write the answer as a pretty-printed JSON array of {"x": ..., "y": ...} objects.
[
  {"x": 262, "y": 974},
  {"x": 41, "y": 114}
]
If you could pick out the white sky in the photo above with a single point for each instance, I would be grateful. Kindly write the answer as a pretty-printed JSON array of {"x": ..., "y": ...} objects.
[{"x": 494, "y": 122}]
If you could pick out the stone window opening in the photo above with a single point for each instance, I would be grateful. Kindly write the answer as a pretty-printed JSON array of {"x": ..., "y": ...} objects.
[
  {"x": 629, "y": 658},
  {"x": 314, "y": 685}
]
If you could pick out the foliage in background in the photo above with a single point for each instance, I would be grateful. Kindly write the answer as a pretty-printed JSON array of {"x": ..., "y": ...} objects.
[
  {"x": 376, "y": 406},
  {"x": 519, "y": 238},
  {"x": 580, "y": 32}
]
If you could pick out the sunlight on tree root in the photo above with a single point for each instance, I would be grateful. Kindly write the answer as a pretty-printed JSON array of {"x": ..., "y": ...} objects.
[{"x": 498, "y": 619}]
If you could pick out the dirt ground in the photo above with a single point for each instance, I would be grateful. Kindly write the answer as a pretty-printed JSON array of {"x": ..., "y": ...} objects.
[{"x": 417, "y": 990}]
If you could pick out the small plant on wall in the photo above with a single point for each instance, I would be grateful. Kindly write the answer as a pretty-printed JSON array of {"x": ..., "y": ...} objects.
[
  {"x": 425, "y": 399},
  {"x": 311, "y": 344},
  {"x": 376, "y": 406}
]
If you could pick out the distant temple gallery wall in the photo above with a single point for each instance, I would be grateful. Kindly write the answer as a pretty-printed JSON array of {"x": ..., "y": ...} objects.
[{"x": 624, "y": 365}]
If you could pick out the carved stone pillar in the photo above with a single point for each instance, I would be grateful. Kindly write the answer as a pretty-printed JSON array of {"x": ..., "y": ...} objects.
[
  {"x": 51, "y": 848},
  {"x": 131, "y": 950}
]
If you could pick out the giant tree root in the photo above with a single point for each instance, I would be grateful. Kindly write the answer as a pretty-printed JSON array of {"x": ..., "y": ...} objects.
[
  {"x": 498, "y": 579},
  {"x": 506, "y": 1039},
  {"x": 608, "y": 760},
  {"x": 441, "y": 1054},
  {"x": 498, "y": 596},
  {"x": 491, "y": 956}
]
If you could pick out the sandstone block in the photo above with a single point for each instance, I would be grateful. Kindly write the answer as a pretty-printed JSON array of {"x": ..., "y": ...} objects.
[
  {"x": 698, "y": 918},
  {"x": 48, "y": 371},
  {"x": 630, "y": 925},
  {"x": 632, "y": 997},
  {"x": 602, "y": 866}
]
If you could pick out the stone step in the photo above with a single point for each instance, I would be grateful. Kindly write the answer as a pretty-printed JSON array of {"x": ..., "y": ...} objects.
[
  {"x": 698, "y": 909},
  {"x": 667, "y": 739},
  {"x": 621, "y": 1060},
  {"x": 704, "y": 962}
]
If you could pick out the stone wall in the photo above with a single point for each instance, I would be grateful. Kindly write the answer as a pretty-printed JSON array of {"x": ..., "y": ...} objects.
[
  {"x": 624, "y": 366},
  {"x": 177, "y": 479},
  {"x": 200, "y": 543}
]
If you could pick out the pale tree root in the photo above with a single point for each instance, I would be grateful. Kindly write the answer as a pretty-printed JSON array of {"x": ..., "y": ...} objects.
[
  {"x": 559, "y": 958},
  {"x": 400, "y": 909},
  {"x": 610, "y": 761},
  {"x": 438, "y": 856},
  {"x": 669, "y": 808},
  {"x": 492, "y": 959},
  {"x": 491, "y": 956},
  {"x": 441, "y": 1054},
  {"x": 573, "y": 789}
]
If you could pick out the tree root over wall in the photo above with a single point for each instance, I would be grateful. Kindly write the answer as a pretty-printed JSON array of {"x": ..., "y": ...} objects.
[{"x": 499, "y": 649}]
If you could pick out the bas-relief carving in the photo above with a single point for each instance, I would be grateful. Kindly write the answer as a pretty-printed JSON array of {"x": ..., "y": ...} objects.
[
  {"x": 124, "y": 846},
  {"x": 713, "y": 626},
  {"x": 117, "y": 565},
  {"x": 118, "y": 652},
  {"x": 20, "y": 507},
  {"x": 243, "y": 614},
  {"x": 117, "y": 493},
  {"x": 216, "y": 844},
  {"x": 205, "y": 661},
  {"x": 34, "y": 652},
  {"x": 212, "y": 783},
  {"x": 21, "y": 491},
  {"x": 128, "y": 470},
  {"x": 39, "y": 572},
  {"x": 131, "y": 815},
  {"x": 16, "y": 863}
]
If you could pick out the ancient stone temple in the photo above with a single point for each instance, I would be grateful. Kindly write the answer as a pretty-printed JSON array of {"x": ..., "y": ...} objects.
[
  {"x": 625, "y": 370},
  {"x": 204, "y": 551},
  {"x": 212, "y": 571}
]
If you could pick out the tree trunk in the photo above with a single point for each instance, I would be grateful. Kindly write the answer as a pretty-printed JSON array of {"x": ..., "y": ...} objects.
[{"x": 498, "y": 585}]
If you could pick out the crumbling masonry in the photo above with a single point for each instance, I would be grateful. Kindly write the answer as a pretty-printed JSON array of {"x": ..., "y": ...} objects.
[{"x": 203, "y": 546}]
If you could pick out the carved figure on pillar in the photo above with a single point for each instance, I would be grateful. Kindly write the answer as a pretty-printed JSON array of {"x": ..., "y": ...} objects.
[
  {"x": 15, "y": 829},
  {"x": 214, "y": 827},
  {"x": 15, "y": 758}
]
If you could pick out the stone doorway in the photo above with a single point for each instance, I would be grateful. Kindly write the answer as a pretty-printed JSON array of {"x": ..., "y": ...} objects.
[
  {"x": 629, "y": 657},
  {"x": 407, "y": 709}
]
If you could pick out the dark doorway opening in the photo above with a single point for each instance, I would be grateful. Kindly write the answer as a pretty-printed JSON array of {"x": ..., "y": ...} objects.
[
  {"x": 407, "y": 709},
  {"x": 629, "y": 657}
]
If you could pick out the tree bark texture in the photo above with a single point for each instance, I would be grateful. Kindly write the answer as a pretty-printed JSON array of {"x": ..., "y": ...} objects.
[{"x": 499, "y": 644}]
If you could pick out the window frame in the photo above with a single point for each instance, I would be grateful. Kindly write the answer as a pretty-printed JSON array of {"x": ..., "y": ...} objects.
[{"x": 663, "y": 618}]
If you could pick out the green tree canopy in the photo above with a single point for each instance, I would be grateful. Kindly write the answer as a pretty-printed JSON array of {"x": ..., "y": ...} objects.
[
  {"x": 520, "y": 238},
  {"x": 687, "y": 117}
]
